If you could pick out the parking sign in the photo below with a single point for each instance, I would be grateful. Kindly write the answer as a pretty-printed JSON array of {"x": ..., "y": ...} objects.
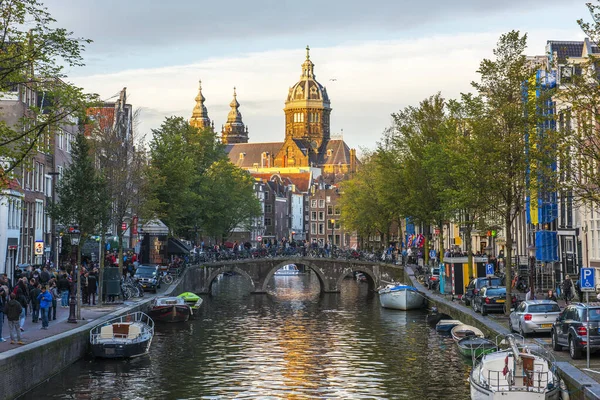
[
  {"x": 587, "y": 279},
  {"x": 489, "y": 269}
]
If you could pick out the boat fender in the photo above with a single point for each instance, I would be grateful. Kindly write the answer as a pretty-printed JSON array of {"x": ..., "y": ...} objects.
[{"x": 505, "y": 370}]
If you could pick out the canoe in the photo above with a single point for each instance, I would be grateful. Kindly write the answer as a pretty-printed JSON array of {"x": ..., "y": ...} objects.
[
  {"x": 475, "y": 346},
  {"x": 461, "y": 331},
  {"x": 446, "y": 325}
]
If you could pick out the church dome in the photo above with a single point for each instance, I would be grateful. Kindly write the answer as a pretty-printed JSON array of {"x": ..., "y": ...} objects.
[{"x": 307, "y": 88}]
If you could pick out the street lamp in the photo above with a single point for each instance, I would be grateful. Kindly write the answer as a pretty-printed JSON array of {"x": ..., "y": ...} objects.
[
  {"x": 332, "y": 236},
  {"x": 75, "y": 235},
  {"x": 531, "y": 250},
  {"x": 293, "y": 233}
]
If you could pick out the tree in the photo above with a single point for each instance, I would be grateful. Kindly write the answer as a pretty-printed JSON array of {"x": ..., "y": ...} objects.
[
  {"x": 33, "y": 54},
  {"x": 82, "y": 192},
  {"x": 227, "y": 199}
]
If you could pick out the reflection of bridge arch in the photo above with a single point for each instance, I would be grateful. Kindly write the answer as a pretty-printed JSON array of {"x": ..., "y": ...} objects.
[
  {"x": 371, "y": 278},
  {"x": 294, "y": 261},
  {"x": 227, "y": 268}
]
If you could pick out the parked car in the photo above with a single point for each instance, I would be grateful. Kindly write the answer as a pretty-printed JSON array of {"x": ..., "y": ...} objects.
[
  {"x": 491, "y": 299},
  {"x": 149, "y": 276},
  {"x": 475, "y": 286},
  {"x": 533, "y": 316},
  {"x": 570, "y": 329},
  {"x": 433, "y": 280}
]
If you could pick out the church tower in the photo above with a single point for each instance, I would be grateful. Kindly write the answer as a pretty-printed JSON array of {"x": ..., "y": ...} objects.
[
  {"x": 234, "y": 130},
  {"x": 200, "y": 118},
  {"x": 307, "y": 108}
]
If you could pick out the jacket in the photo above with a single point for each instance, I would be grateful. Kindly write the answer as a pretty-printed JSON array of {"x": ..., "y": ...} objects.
[
  {"x": 34, "y": 296},
  {"x": 45, "y": 299},
  {"x": 13, "y": 310}
]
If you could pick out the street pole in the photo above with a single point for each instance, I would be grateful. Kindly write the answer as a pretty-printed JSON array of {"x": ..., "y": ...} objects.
[
  {"x": 332, "y": 236},
  {"x": 587, "y": 335}
]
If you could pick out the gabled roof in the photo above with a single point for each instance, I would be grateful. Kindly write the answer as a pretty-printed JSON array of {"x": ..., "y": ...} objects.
[
  {"x": 301, "y": 180},
  {"x": 252, "y": 153},
  {"x": 564, "y": 49},
  {"x": 337, "y": 152}
]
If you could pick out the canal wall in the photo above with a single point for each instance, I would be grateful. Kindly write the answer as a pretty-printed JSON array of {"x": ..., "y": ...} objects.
[
  {"x": 580, "y": 385},
  {"x": 23, "y": 368}
]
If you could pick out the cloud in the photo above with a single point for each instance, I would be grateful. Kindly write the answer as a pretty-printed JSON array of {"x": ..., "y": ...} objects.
[{"x": 372, "y": 79}]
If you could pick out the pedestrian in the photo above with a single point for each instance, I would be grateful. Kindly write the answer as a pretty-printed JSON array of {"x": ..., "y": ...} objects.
[
  {"x": 35, "y": 303},
  {"x": 551, "y": 296},
  {"x": 13, "y": 311},
  {"x": 568, "y": 289},
  {"x": 529, "y": 295},
  {"x": 55, "y": 297},
  {"x": 92, "y": 288},
  {"x": 45, "y": 301},
  {"x": 63, "y": 289},
  {"x": 84, "y": 288},
  {"x": 21, "y": 296},
  {"x": 3, "y": 301}
]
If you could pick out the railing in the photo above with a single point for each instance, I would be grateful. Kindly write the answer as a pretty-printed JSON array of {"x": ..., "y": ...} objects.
[
  {"x": 290, "y": 252},
  {"x": 137, "y": 316},
  {"x": 530, "y": 381}
]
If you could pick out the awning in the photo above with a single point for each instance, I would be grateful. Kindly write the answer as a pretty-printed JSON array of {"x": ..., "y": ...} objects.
[
  {"x": 13, "y": 243},
  {"x": 176, "y": 247}
]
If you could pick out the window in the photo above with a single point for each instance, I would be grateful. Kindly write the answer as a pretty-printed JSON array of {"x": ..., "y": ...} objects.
[
  {"x": 266, "y": 195},
  {"x": 242, "y": 156},
  {"x": 268, "y": 208},
  {"x": 321, "y": 215},
  {"x": 329, "y": 210},
  {"x": 60, "y": 172},
  {"x": 329, "y": 224},
  {"x": 313, "y": 203},
  {"x": 313, "y": 216},
  {"x": 59, "y": 139},
  {"x": 321, "y": 229},
  {"x": 267, "y": 221},
  {"x": 313, "y": 228},
  {"x": 48, "y": 186},
  {"x": 338, "y": 210},
  {"x": 321, "y": 203}
]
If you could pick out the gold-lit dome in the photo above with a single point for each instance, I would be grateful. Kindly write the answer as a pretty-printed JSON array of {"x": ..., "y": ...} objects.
[{"x": 307, "y": 88}]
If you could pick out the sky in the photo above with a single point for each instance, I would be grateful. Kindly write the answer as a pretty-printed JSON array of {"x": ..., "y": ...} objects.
[{"x": 373, "y": 57}]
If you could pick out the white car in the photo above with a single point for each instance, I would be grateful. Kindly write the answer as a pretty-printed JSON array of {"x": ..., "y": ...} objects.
[{"x": 533, "y": 316}]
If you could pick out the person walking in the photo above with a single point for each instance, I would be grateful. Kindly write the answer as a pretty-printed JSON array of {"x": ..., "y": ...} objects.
[
  {"x": 568, "y": 289},
  {"x": 551, "y": 295},
  {"x": 35, "y": 302},
  {"x": 55, "y": 296},
  {"x": 3, "y": 301},
  {"x": 45, "y": 301},
  {"x": 92, "y": 287},
  {"x": 63, "y": 289},
  {"x": 13, "y": 311}
]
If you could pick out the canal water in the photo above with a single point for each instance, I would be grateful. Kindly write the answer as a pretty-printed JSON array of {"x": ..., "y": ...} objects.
[{"x": 292, "y": 343}]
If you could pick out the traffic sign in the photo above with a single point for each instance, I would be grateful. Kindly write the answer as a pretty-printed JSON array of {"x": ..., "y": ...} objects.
[
  {"x": 39, "y": 247},
  {"x": 259, "y": 238},
  {"x": 489, "y": 269},
  {"x": 587, "y": 280}
]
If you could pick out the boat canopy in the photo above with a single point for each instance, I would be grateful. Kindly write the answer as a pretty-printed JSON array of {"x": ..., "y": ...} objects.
[{"x": 169, "y": 301}]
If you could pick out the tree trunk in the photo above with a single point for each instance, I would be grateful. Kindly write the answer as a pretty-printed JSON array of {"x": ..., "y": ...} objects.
[
  {"x": 508, "y": 263},
  {"x": 469, "y": 247},
  {"x": 101, "y": 261}
]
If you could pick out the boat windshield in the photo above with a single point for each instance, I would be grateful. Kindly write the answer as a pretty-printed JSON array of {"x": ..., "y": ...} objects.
[{"x": 543, "y": 308}]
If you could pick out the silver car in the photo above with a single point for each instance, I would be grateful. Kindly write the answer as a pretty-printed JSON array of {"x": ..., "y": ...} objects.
[{"x": 533, "y": 316}]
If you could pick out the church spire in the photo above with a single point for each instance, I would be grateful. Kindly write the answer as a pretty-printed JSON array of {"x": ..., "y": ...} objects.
[
  {"x": 234, "y": 131},
  {"x": 308, "y": 67},
  {"x": 200, "y": 114}
]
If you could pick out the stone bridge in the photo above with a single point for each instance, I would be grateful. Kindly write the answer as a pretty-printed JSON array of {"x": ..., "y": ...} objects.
[{"x": 331, "y": 272}]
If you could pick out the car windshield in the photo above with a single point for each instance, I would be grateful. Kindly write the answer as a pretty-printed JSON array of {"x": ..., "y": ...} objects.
[
  {"x": 594, "y": 314},
  {"x": 543, "y": 308},
  {"x": 489, "y": 282},
  {"x": 141, "y": 271},
  {"x": 495, "y": 292}
]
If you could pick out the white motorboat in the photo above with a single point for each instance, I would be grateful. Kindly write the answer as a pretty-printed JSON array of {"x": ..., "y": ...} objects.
[
  {"x": 516, "y": 373},
  {"x": 287, "y": 270},
  {"x": 122, "y": 337},
  {"x": 401, "y": 297}
]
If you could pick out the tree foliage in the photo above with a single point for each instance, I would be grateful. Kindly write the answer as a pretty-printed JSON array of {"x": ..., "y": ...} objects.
[{"x": 33, "y": 54}]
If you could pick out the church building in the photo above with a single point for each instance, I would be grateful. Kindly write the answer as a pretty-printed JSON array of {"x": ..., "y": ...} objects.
[{"x": 307, "y": 144}]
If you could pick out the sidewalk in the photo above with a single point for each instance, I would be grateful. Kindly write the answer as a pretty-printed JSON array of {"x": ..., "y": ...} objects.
[{"x": 33, "y": 331}]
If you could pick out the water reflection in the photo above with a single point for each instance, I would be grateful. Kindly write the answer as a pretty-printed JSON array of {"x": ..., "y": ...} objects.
[{"x": 292, "y": 343}]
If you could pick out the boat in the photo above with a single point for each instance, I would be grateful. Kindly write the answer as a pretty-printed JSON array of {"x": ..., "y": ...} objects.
[
  {"x": 401, "y": 297},
  {"x": 122, "y": 337},
  {"x": 192, "y": 299},
  {"x": 463, "y": 330},
  {"x": 473, "y": 346},
  {"x": 516, "y": 373},
  {"x": 446, "y": 325},
  {"x": 170, "y": 309},
  {"x": 287, "y": 270}
]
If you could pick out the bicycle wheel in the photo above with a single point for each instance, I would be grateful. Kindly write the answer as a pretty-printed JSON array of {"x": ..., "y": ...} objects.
[
  {"x": 125, "y": 292},
  {"x": 168, "y": 279}
]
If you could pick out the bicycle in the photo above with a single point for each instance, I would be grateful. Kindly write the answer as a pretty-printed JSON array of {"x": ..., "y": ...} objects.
[{"x": 167, "y": 278}]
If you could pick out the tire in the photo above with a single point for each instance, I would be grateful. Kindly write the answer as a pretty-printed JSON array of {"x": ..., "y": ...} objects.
[
  {"x": 574, "y": 352},
  {"x": 483, "y": 311},
  {"x": 168, "y": 279},
  {"x": 474, "y": 305},
  {"x": 555, "y": 345},
  {"x": 467, "y": 302},
  {"x": 141, "y": 289},
  {"x": 521, "y": 331}
]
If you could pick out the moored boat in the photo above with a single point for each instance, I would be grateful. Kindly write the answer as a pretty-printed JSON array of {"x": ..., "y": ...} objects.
[
  {"x": 192, "y": 299},
  {"x": 517, "y": 373},
  {"x": 463, "y": 330},
  {"x": 170, "y": 309},
  {"x": 122, "y": 337},
  {"x": 401, "y": 297},
  {"x": 287, "y": 270},
  {"x": 473, "y": 346},
  {"x": 446, "y": 325}
]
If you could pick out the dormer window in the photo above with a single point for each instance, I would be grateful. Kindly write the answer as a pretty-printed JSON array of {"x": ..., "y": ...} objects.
[
  {"x": 242, "y": 155},
  {"x": 329, "y": 153}
]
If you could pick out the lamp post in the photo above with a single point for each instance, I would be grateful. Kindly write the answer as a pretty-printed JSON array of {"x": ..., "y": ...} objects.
[
  {"x": 332, "y": 235},
  {"x": 75, "y": 235},
  {"x": 531, "y": 251},
  {"x": 293, "y": 233}
]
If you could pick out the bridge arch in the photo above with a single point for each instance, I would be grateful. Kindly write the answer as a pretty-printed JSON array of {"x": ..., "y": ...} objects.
[
  {"x": 372, "y": 279},
  {"x": 302, "y": 261},
  {"x": 227, "y": 268}
]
